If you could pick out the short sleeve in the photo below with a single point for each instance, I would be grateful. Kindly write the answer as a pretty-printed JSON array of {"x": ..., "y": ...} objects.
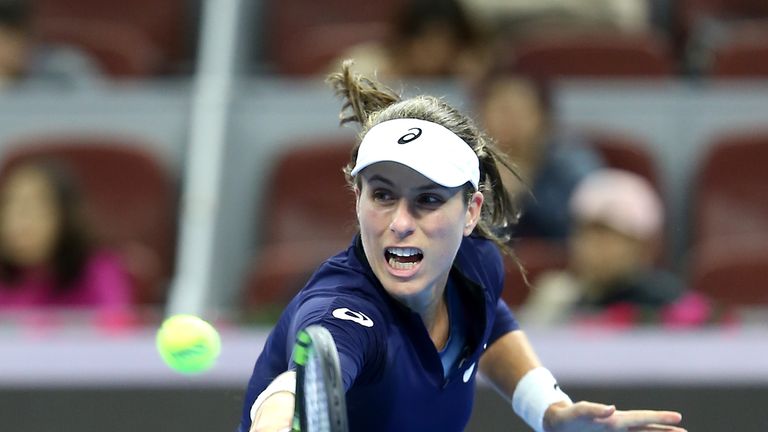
[
  {"x": 357, "y": 328},
  {"x": 504, "y": 323}
]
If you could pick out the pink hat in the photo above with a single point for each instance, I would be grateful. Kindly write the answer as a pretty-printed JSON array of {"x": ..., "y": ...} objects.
[{"x": 620, "y": 199}]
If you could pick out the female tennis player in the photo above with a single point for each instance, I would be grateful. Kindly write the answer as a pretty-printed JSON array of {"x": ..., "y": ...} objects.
[{"x": 414, "y": 303}]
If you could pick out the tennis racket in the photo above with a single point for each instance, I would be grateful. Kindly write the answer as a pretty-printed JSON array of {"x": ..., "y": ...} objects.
[{"x": 320, "y": 401}]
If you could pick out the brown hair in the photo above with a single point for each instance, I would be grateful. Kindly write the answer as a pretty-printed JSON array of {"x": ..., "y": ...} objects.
[{"x": 369, "y": 103}]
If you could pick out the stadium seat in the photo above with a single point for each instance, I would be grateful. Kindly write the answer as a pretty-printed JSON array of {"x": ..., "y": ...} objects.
[
  {"x": 744, "y": 54},
  {"x": 129, "y": 197},
  {"x": 167, "y": 24},
  {"x": 293, "y": 27},
  {"x": 588, "y": 55},
  {"x": 732, "y": 271},
  {"x": 304, "y": 223},
  {"x": 537, "y": 256},
  {"x": 690, "y": 13},
  {"x": 730, "y": 192},
  {"x": 701, "y": 27},
  {"x": 627, "y": 152},
  {"x": 729, "y": 256},
  {"x": 120, "y": 50},
  {"x": 324, "y": 43}
]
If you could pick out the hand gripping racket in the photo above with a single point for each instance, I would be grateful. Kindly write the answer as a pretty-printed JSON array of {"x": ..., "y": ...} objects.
[{"x": 320, "y": 400}]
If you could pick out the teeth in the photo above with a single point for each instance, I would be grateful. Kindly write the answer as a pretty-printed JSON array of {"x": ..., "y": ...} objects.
[
  {"x": 403, "y": 258},
  {"x": 401, "y": 265},
  {"x": 403, "y": 252}
]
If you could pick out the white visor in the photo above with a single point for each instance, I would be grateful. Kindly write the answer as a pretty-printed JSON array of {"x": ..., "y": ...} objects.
[{"x": 429, "y": 148}]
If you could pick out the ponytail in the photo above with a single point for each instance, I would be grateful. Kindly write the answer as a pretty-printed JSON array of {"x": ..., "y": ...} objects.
[{"x": 363, "y": 96}]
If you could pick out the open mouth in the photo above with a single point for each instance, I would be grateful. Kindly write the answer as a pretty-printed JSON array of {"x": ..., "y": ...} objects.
[{"x": 403, "y": 258}]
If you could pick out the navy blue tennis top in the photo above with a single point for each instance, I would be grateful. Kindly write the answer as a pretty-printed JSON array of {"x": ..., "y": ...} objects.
[{"x": 392, "y": 370}]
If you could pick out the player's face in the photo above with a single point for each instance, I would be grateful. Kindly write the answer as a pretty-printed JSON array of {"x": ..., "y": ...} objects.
[{"x": 411, "y": 229}]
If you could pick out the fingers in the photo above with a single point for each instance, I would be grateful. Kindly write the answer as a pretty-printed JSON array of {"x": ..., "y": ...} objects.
[
  {"x": 590, "y": 416},
  {"x": 576, "y": 417},
  {"x": 592, "y": 410},
  {"x": 643, "y": 418},
  {"x": 656, "y": 428},
  {"x": 644, "y": 421}
]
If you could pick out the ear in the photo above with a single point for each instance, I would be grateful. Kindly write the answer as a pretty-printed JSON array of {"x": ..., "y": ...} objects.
[{"x": 473, "y": 212}]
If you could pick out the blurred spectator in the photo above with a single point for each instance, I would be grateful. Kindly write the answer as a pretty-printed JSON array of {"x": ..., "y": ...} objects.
[
  {"x": 618, "y": 221},
  {"x": 23, "y": 59},
  {"x": 46, "y": 256},
  {"x": 516, "y": 113},
  {"x": 427, "y": 39},
  {"x": 522, "y": 16}
]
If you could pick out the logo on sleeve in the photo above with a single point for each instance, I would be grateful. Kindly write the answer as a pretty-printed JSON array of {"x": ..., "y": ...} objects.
[{"x": 350, "y": 315}]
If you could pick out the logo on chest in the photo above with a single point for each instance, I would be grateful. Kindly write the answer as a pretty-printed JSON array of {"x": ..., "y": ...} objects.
[{"x": 468, "y": 373}]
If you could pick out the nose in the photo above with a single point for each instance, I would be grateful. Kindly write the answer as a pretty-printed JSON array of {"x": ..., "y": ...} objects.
[{"x": 403, "y": 222}]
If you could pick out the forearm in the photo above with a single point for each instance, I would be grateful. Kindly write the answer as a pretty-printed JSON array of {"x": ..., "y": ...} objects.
[
  {"x": 513, "y": 368},
  {"x": 507, "y": 360}
]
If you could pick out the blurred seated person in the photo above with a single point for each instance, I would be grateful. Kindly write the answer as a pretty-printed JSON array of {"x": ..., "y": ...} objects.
[
  {"x": 427, "y": 39},
  {"x": 612, "y": 276},
  {"x": 46, "y": 257},
  {"x": 24, "y": 60},
  {"x": 537, "y": 15},
  {"x": 516, "y": 113}
]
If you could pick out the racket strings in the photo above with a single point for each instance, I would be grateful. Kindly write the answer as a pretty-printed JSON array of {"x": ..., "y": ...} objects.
[
  {"x": 315, "y": 397},
  {"x": 321, "y": 400}
]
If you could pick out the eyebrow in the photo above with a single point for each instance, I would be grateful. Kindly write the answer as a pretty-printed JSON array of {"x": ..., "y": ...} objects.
[{"x": 429, "y": 186}]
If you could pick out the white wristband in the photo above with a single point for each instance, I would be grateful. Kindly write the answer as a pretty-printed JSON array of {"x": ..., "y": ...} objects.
[
  {"x": 286, "y": 381},
  {"x": 535, "y": 392}
]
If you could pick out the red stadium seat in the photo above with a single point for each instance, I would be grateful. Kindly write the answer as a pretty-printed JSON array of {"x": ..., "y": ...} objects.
[
  {"x": 121, "y": 51},
  {"x": 700, "y": 27},
  {"x": 731, "y": 190},
  {"x": 303, "y": 225},
  {"x": 744, "y": 54},
  {"x": 295, "y": 27},
  {"x": 324, "y": 43},
  {"x": 165, "y": 24},
  {"x": 587, "y": 55},
  {"x": 732, "y": 271},
  {"x": 130, "y": 200},
  {"x": 690, "y": 13},
  {"x": 729, "y": 256},
  {"x": 626, "y": 152}
]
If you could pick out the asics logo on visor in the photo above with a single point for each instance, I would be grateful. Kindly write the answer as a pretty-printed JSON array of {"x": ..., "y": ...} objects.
[{"x": 410, "y": 136}]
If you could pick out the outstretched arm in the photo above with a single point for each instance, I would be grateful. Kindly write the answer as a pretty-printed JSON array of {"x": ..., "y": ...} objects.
[{"x": 511, "y": 358}]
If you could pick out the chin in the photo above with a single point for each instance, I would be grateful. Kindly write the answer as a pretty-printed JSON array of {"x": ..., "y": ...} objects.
[{"x": 411, "y": 291}]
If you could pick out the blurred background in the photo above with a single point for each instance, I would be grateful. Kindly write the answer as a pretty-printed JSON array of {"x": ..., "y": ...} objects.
[{"x": 173, "y": 156}]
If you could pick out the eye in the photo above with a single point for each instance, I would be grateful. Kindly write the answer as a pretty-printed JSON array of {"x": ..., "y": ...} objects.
[
  {"x": 382, "y": 195},
  {"x": 430, "y": 200}
]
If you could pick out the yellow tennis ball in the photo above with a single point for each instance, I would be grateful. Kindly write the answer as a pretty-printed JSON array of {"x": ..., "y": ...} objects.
[{"x": 188, "y": 344}]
